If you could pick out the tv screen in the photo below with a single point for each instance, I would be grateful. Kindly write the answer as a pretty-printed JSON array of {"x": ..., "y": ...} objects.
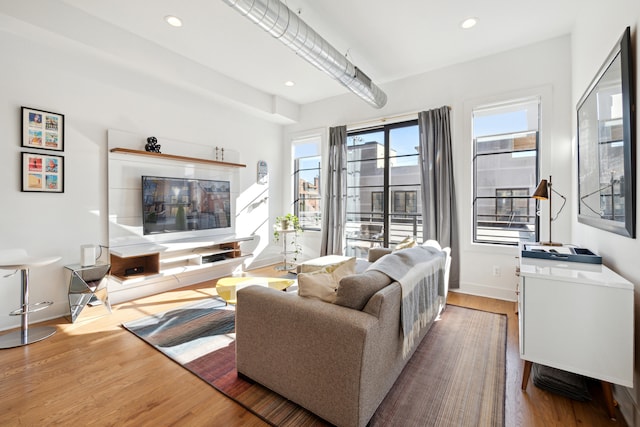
[{"x": 180, "y": 204}]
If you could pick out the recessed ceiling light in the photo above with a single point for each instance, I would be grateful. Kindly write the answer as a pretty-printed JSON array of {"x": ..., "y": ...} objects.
[
  {"x": 289, "y": 83},
  {"x": 469, "y": 23},
  {"x": 174, "y": 21}
]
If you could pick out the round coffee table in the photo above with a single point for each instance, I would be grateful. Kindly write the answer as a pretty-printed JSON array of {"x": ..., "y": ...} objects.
[{"x": 228, "y": 286}]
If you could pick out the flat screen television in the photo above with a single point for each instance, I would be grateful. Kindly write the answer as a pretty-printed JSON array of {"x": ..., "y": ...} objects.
[{"x": 172, "y": 205}]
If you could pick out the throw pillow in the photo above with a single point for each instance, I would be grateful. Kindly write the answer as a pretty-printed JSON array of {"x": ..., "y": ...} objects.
[
  {"x": 407, "y": 242},
  {"x": 377, "y": 253},
  {"x": 322, "y": 284},
  {"x": 355, "y": 291},
  {"x": 331, "y": 261}
]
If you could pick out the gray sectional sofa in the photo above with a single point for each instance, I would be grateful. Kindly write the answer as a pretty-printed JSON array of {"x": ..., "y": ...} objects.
[{"x": 336, "y": 361}]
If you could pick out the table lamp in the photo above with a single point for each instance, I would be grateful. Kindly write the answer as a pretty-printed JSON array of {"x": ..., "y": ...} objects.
[{"x": 544, "y": 192}]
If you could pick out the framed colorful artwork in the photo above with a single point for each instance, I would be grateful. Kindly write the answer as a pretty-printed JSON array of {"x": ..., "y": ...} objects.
[
  {"x": 42, "y": 129},
  {"x": 42, "y": 173}
]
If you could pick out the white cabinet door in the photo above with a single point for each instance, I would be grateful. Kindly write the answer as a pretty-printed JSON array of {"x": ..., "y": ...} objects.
[{"x": 578, "y": 327}]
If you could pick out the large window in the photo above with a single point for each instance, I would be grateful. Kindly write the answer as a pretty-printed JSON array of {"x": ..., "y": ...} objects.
[
  {"x": 505, "y": 172},
  {"x": 306, "y": 183},
  {"x": 383, "y": 187}
]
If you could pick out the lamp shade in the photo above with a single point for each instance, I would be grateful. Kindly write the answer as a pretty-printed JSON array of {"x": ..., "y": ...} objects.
[{"x": 542, "y": 192}]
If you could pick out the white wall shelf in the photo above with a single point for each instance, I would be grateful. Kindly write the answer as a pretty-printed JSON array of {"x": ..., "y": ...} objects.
[{"x": 175, "y": 157}]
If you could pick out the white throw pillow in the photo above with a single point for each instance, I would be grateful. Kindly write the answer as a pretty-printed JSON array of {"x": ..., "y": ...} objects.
[{"x": 322, "y": 284}]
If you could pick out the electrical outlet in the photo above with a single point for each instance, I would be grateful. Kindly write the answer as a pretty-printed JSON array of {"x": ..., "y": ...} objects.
[{"x": 496, "y": 270}]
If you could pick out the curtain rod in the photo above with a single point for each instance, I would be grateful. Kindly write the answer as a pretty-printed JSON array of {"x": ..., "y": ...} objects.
[{"x": 382, "y": 120}]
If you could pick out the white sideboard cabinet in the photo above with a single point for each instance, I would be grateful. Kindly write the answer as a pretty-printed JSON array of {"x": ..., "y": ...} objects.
[{"x": 576, "y": 317}]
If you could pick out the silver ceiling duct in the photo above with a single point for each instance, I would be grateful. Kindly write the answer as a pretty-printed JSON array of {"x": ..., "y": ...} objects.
[{"x": 279, "y": 21}]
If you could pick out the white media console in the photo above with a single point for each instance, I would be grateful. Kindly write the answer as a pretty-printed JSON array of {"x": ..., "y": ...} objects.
[
  {"x": 143, "y": 269},
  {"x": 145, "y": 264}
]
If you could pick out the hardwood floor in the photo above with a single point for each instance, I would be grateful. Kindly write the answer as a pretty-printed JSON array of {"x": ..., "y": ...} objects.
[{"x": 96, "y": 373}]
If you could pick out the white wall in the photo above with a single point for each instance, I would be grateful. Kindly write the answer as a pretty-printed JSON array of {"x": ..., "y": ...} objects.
[
  {"x": 597, "y": 30},
  {"x": 96, "y": 93},
  {"x": 544, "y": 69}
]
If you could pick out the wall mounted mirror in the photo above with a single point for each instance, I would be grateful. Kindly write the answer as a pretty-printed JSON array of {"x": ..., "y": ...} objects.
[{"x": 606, "y": 145}]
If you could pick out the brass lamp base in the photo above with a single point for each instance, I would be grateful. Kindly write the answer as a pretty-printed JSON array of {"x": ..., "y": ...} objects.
[{"x": 550, "y": 244}]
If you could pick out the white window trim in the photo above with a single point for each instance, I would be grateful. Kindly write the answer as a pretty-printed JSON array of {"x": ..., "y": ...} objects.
[
  {"x": 304, "y": 137},
  {"x": 465, "y": 214}
]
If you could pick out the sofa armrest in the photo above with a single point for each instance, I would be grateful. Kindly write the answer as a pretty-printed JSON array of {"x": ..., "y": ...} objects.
[{"x": 282, "y": 342}]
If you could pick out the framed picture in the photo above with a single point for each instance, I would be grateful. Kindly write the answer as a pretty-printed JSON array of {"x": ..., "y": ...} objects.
[
  {"x": 42, "y": 173},
  {"x": 42, "y": 129}
]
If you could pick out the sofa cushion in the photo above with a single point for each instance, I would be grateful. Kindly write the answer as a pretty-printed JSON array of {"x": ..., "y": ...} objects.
[
  {"x": 322, "y": 284},
  {"x": 354, "y": 291}
]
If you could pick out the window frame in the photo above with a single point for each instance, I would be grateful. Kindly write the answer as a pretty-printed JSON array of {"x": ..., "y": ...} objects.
[
  {"x": 387, "y": 213},
  {"x": 475, "y": 155},
  {"x": 296, "y": 170}
]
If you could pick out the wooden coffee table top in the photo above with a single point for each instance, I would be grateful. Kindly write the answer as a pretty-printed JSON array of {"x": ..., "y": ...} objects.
[{"x": 228, "y": 286}]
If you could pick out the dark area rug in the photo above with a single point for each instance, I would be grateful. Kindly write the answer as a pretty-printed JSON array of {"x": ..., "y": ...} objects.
[{"x": 455, "y": 378}]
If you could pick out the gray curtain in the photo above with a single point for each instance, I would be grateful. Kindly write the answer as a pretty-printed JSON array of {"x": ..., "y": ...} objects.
[
  {"x": 335, "y": 210},
  {"x": 438, "y": 193}
]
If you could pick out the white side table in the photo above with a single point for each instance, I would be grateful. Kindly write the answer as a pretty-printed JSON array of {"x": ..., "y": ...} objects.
[
  {"x": 286, "y": 252},
  {"x": 578, "y": 318},
  {"x": 18, "y": 259}
]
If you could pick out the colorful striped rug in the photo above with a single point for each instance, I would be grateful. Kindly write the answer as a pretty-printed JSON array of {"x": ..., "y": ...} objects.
[{"x": 455, "y": 378}]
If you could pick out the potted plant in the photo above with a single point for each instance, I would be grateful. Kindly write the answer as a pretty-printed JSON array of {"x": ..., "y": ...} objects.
[{"x": 288, "y": 222}]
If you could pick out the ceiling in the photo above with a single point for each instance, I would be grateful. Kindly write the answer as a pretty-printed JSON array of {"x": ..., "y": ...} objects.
[{"x": 386, "y": 40}]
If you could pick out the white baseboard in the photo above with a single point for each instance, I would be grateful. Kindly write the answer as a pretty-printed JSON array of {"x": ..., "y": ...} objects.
[
  {"x": 263, "y": 262},
  {"x": 486, "y": 291},
  {"x": 36, "y": 322}
]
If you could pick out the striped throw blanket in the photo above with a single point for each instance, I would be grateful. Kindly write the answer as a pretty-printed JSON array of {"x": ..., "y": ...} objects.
[{"x": 420, "y": 272}]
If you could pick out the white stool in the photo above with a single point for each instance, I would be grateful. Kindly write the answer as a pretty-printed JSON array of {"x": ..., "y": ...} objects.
[{"x": 18, "y": 259}]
